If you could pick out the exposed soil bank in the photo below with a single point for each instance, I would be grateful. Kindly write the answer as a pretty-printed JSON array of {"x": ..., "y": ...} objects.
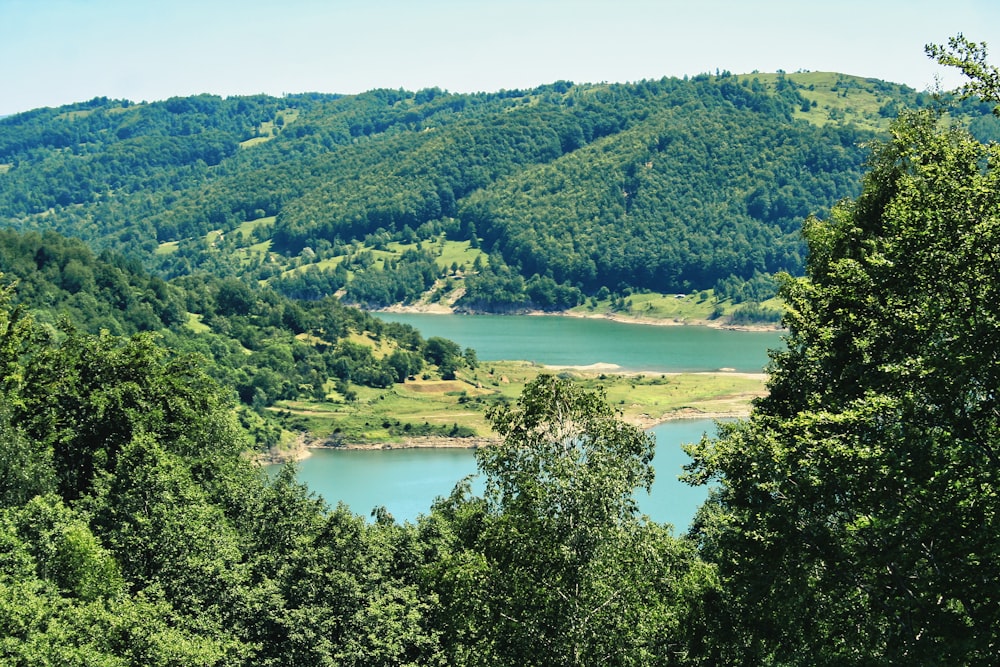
[{"x": 441, "y": 309}]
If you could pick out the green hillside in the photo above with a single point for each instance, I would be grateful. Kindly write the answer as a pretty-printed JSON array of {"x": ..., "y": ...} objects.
[
  {"x": 262, "y": 347},
  {"x": 851, "y": 518},
  {"x": 668, "y": 185}
]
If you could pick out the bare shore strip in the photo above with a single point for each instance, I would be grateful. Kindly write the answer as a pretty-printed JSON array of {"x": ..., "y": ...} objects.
[
  {"x": 304, "y": 446},
  {"x": 441, "y": 309}
]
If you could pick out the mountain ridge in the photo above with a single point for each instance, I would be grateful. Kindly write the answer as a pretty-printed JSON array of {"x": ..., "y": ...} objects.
[{"x": 666, "y": 185}]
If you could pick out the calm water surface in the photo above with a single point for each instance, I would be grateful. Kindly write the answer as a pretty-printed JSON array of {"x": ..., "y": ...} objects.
[
  {"x": 406, "y": 481},
  {"x": 574, "y": 341}
]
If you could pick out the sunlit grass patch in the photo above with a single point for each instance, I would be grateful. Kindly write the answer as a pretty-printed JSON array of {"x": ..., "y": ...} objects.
[
  {"x": 195, "y": 324},
  {"x": 461, "y": 253},
  {"x": 247, "y": 228},
  {"x": 167, "y": 248}
]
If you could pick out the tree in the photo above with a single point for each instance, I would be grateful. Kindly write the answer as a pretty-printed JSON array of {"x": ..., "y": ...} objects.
[
  {"x": 166, "y": 531},
  {"x": 234, "y": 298},
  {"x": 445, "y": 354},
  {"x": 404, "y": 364},
  {"x": 66, "y": 552},
  {"x": 25, "y": 471},
  {"x": 558, "y": 568},
  {"x": 854, "y": 520},
  {"x": 86, "y": 397},
  {"x": 971, "y": 58}
]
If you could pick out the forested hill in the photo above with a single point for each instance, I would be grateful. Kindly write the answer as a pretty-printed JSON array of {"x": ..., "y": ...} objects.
[
  {"x": 261, "y": 346},
  {"x": 667, "y": 185}
]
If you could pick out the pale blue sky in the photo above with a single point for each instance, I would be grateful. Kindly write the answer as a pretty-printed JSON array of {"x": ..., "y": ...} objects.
[{"x": 55, "y": 52}]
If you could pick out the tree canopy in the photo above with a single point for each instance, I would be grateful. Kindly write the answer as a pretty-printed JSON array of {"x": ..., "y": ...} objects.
[
  {"x": 669, "y": 184},
  {"x": 854, "y": 521},
  {"x": 553, "y": 564},
  {"x": 133, "y": 531}
]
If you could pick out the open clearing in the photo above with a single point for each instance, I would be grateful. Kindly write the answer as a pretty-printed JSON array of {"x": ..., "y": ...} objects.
[{"x": 444, "y": 408}]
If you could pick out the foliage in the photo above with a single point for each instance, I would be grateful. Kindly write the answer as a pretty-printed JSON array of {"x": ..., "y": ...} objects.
[
  {"x": 264, "y": 346},
  {"x": 971, "y": 59},
  {"x": 60, "y": 276},
  {"x": 155, "y": 542},
  {"x": 400, "y": 281},
  {"x": 553, "y": 566},
  {"x": 495, "y": 288},
  {"x": 649, "y": 207},
  {"x": 147, "y": 539},
  {"x": 853, "y": 521},
  {"x": 665, "y": 184}
]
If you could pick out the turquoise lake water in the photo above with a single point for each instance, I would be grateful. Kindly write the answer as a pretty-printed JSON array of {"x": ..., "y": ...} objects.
[
  {"x": 406, "y": 481},
  {"x": 574, "y": 341}
]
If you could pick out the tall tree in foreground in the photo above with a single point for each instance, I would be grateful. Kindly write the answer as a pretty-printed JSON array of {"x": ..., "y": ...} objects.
[
  {"x": 971, "y": 58},
  {"x": 857, "y": 514},
  {"x": 558, "y": 568}
]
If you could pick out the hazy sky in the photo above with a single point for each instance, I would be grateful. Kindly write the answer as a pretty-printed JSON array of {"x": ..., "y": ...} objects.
[{"x": 55, "y": 52}]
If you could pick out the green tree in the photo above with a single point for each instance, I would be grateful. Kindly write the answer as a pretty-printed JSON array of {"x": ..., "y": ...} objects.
[
  {"x": 25, "y": 471},
  {"x": 971, "y": 58},
  {"x": 471, "y": 360},
  {"x": 86, "y": 397},
  {"x": 555, "y": 565},
  {"x": 65, "y": 551},
  {"x": 404, "y": 364},
  {"x": 445, "y": 354},
  {"x": 166, "y": 531},
  {"x": 234, "y": 298},
  {"x": 855, "y": 518}
]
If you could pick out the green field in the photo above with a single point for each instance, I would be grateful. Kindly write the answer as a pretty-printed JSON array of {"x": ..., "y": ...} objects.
[
  {"x": 449, "y": 408},
  {"x": 694, "y": 308}
]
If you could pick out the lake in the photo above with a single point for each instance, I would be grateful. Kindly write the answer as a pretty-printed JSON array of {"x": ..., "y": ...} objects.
[
  {"x": 576, "y": 341},
  {"x": 406, "y": 481}
]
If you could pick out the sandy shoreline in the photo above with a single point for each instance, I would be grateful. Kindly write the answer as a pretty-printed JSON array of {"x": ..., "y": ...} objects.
[
  {"x": 615, "y": 369},
  {"x": 303, "y": 449},
  {"x": 661, "y": 322},
  {"x": 441, "y": 309}
]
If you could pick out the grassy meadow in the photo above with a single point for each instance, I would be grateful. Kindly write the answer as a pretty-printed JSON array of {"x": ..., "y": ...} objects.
[{"x": 456, "y": 409}]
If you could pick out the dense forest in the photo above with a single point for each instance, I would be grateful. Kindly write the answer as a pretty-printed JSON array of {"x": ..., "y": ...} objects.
[
  {"x": 852, "y": 517},
  {"x": 262, "y": 345},
  {"x": 671, "y": 185}
]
